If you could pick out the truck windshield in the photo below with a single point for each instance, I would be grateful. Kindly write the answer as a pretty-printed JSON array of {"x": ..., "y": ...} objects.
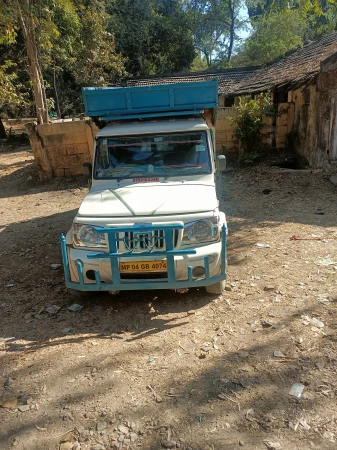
[{"x": 152, "y": 155}]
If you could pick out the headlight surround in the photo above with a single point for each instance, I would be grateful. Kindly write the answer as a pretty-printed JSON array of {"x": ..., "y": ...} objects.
[
  {"x": 88, "y": 236},
  {"x": 201, "y": 231}
]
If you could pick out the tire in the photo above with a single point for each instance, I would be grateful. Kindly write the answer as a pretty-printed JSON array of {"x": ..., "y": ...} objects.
[{"x": 216, "y": 288}]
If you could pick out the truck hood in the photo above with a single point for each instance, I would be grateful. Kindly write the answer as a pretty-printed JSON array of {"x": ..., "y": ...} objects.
[{"x": 150, "y": 199}]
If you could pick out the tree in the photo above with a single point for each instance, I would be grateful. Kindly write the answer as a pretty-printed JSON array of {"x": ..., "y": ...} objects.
[
  {"x": 274, "y": 34},
  {"x": 215, "y": 25},
  {"x": 280, "y": 25},
  {"x": 321, "y": 16},
  {"x": 8, "y": 92},
  {"x": 152, "y": 35},
  {"x": 27, "y": 24},
  {"x": 95, "y": 60},
  {"x": 199, "y": 64},
  {"x": 61, "y": 35},
  {"x": 12, "y": 91},
  {"x": 171, "y": 44}
]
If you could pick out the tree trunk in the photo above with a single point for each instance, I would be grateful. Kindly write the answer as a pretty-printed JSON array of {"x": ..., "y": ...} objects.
[
  {"x": 28, "y": 31},
  {"x": 57, "y": 97},
  {"x": 3, "y": 134},
  {"x": 231, "y": 29},
  {"x": 207, "y": 57}
]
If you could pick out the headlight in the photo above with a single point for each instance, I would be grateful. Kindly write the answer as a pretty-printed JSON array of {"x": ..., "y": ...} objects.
[
  {"x": 88, "y": 236},
  {"x": 205, "y": 230}
]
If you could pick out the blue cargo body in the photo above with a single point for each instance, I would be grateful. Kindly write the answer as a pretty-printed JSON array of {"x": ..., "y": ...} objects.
[{"x": 114, "y": 103}]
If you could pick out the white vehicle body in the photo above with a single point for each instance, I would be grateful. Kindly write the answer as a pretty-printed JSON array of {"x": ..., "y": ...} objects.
[{"x": 162, "y": 199}]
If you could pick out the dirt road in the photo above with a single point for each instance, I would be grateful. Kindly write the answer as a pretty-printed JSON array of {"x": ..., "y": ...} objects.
[{"x": 151, "y": 370}]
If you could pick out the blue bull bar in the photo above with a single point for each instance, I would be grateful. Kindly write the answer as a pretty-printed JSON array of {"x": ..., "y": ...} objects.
[{"x": 169, "y": 282}]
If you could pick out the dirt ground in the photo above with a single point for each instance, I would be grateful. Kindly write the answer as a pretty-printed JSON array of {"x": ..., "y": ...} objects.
[{"x": 158, "y": 369}]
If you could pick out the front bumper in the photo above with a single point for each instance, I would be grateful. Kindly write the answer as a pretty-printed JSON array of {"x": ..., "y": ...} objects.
[{"x": 104, "y": 267}]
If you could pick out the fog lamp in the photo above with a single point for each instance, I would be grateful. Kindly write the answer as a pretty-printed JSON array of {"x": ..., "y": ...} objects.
[{"x": 198, "y": 271}]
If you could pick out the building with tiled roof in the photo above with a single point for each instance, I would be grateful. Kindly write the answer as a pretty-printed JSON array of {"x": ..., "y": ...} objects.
[
  {"x": 293, "y": 69},
  {"x": 228, "y": 79},
  {"x": 304, "y": 87}
]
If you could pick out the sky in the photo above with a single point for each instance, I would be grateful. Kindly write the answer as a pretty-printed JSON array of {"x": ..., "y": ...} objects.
[{"x": 244, "y": 16}]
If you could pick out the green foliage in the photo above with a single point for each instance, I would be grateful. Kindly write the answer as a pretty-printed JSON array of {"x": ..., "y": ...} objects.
[
  {"x": 96, "y": 59},
  {"x": 8, "y": 23},
  {"x": 152, "y": 35},
  {"x": 198, "y": 64},
  {"x": 172, "y": 42},
  {"x": 250, "y": 159},
  {"x": 15, "y": 88},
  {"x": 9, "y": 87},
  {"x": 215, "y": 25},
  {"x": 274, "y": 34},
  {"x": 280, "y": 26},
  {"x": 73, "y": 35},
  {"x": 70, "y": 36},
  {"x": 96, "y": 42},
  {"x": 249, "y": 114},
  {"x": 321, "y": 17}
]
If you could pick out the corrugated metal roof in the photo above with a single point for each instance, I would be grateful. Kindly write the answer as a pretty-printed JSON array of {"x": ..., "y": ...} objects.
[{"x": 293, "y": 69}]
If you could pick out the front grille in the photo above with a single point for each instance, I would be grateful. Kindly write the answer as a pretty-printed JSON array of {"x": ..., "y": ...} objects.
[{"x": 145, "y": 242}]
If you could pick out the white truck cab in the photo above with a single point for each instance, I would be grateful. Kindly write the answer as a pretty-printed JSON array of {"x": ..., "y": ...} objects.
[{"x": 151, "y": 219}]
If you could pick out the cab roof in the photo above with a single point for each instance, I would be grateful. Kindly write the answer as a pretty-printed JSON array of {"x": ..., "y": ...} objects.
[{"x": 153, "y": 126}]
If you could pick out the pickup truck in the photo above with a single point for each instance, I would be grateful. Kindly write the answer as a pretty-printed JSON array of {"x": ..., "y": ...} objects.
[{"x": 151, "y": 218}]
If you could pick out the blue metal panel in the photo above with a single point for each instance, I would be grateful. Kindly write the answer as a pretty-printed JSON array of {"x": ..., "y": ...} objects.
[
  {"x": 130, "y": 102},
  {"x": 166, "y": 283},
  {"x": 154, "y": 115}
]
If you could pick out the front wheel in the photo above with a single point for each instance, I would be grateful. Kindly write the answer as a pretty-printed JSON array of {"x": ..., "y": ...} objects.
[{"x": 216, "y": 288}]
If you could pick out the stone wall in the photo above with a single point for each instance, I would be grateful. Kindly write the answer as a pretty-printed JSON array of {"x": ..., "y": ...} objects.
[
  {"x": 327, "y": 112},
  {"x": 60, "y": 148},
  {"x": 303, "y": 133},
  {"x": 275, "y": 131},
  {"x": 313, "y": 132},
  {"x": 224, "y": 129}
]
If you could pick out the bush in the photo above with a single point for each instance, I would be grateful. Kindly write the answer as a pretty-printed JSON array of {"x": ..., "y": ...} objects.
[
  {"x": 250, "y": 159},
  {"x": 249, "y": 120}
]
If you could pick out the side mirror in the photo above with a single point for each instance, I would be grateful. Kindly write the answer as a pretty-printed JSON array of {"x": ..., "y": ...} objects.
[
  {"x": 220, "y": 163},
  {"x": 87, "y": 169}
]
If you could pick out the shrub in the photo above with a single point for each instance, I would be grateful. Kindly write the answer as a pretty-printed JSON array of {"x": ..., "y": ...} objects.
[{"x": 249, "y": 120}]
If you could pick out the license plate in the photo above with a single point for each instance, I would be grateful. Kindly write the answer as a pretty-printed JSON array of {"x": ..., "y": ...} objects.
[{"x": 143, "y": 266}]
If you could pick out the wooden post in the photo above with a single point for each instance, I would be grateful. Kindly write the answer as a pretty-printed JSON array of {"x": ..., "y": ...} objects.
[
  {"x": 28, "y": 31},
  {"x": 39, "y": 152}
]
